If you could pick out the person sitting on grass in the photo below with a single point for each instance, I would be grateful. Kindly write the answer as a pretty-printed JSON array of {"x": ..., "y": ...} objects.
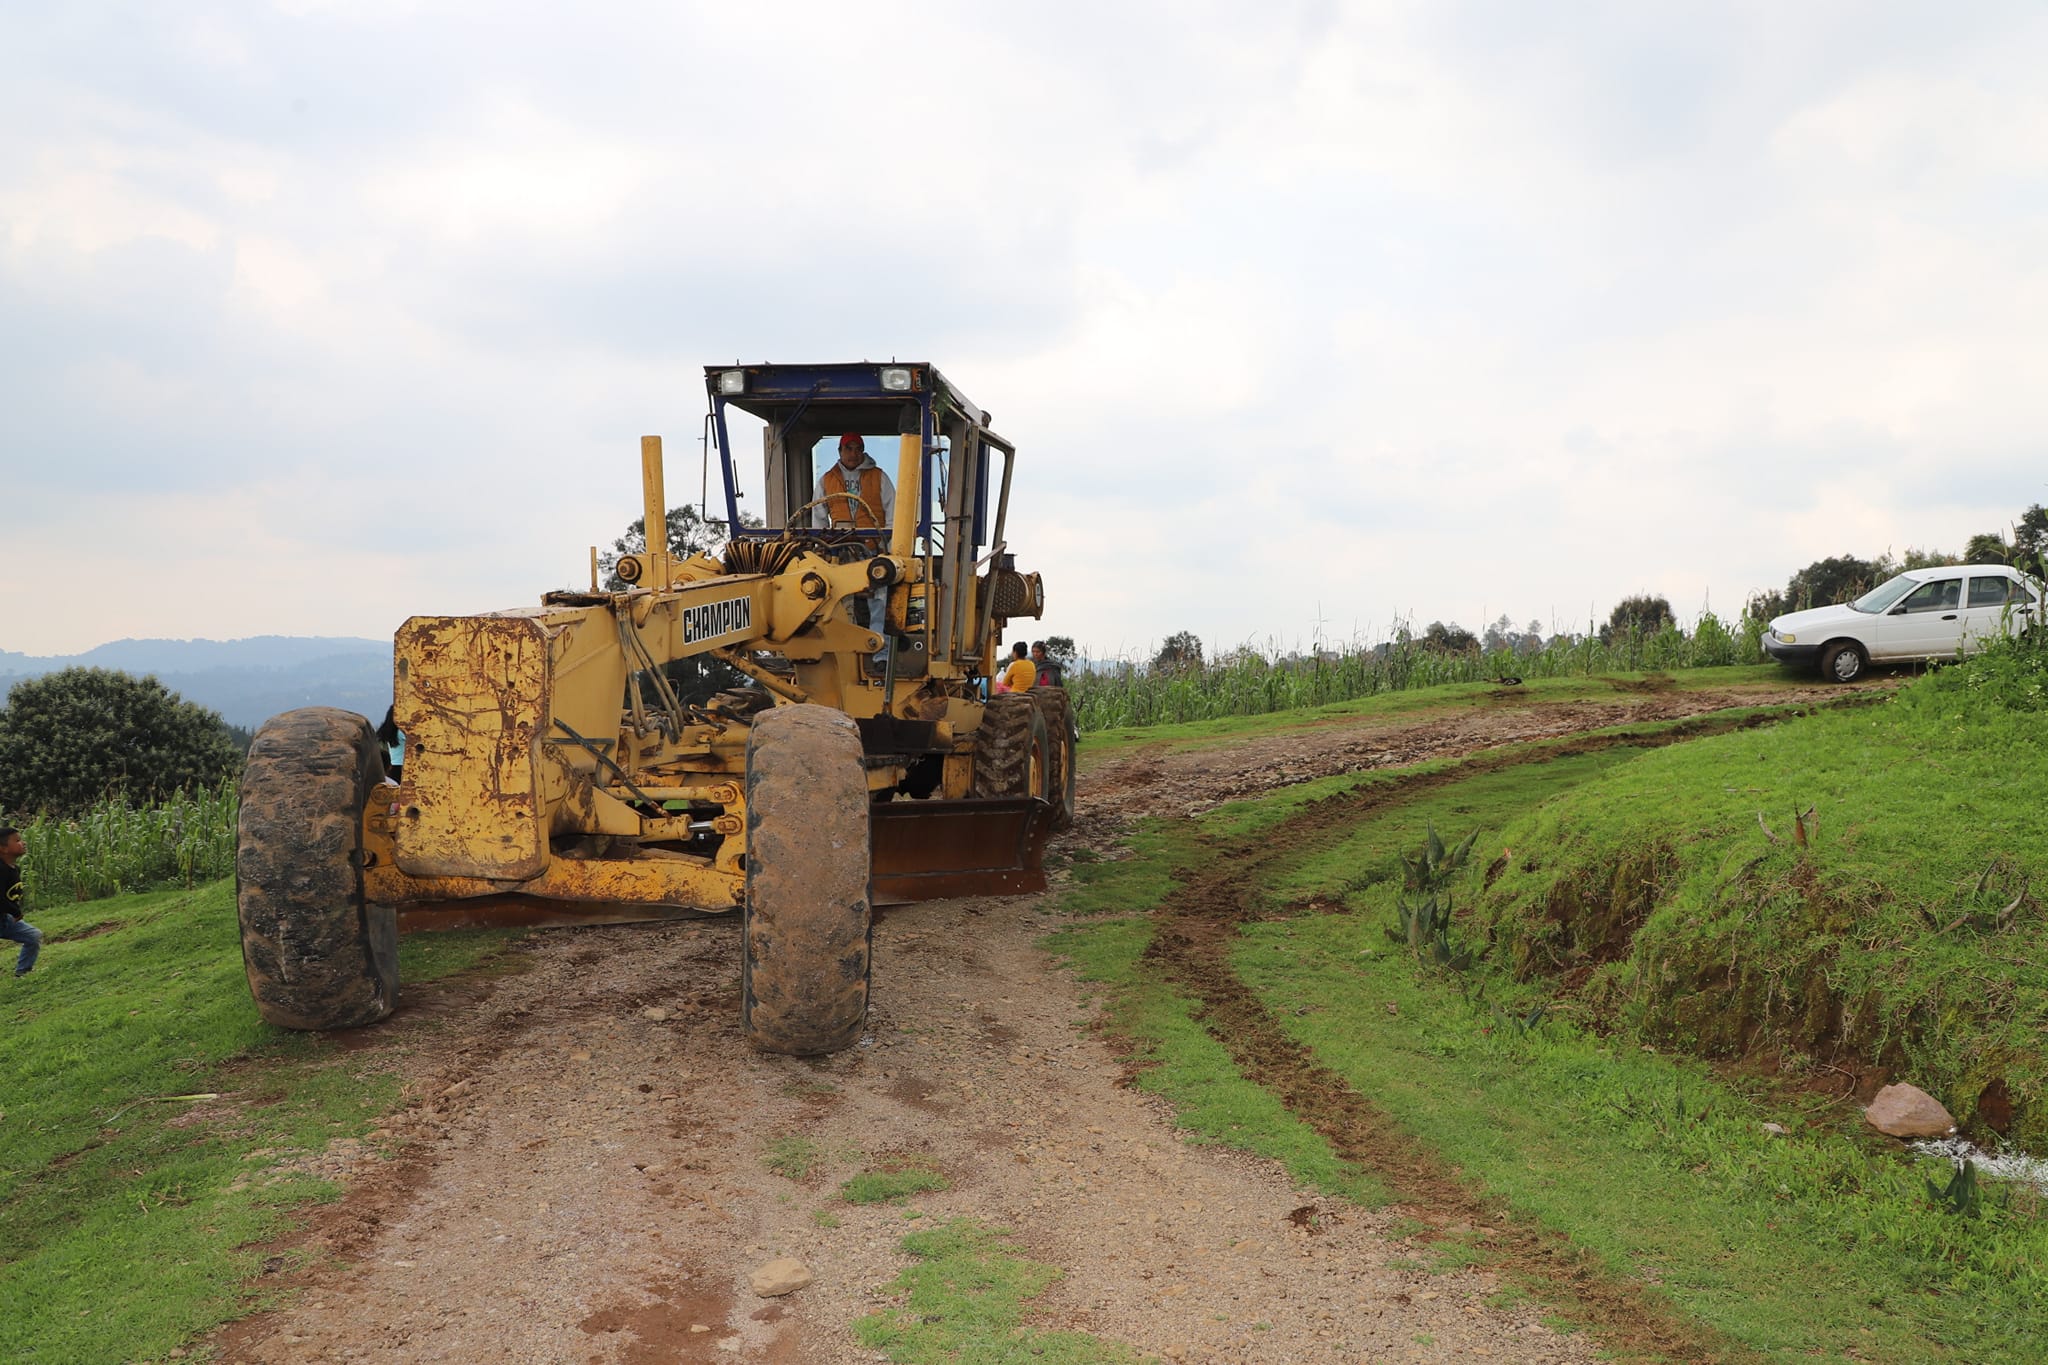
[{"x": 13, "y": 925}]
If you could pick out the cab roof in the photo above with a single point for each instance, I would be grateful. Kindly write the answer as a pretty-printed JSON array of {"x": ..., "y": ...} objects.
[{"x": 836, "y": 395}]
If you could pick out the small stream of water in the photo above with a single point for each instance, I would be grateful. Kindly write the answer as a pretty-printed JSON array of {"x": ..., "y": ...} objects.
[{"x": 2018, "y": 1166}]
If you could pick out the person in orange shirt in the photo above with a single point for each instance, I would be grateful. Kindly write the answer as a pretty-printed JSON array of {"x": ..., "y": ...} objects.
[{"x": 1020, "y": 674}]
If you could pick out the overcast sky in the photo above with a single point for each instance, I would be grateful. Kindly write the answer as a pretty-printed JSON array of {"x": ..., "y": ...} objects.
[{"x": 1304, "y": 317}]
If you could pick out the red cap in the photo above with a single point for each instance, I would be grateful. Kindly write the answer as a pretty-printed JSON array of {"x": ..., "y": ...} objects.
[{"x": 852, "y": 438}]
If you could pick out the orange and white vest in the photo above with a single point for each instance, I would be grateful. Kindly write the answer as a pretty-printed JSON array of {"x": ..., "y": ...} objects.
[{"x": 844, "y": 511}]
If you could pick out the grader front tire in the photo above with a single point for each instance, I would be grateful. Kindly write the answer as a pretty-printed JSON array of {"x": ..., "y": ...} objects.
[
  {"x": 318, "y": 955},
  {"x": 805, "y": 958},
  {"x": 1012, "y": 749}
]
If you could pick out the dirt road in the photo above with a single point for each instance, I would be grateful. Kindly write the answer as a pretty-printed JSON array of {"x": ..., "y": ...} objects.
[{"x": 579, "y": 1174}]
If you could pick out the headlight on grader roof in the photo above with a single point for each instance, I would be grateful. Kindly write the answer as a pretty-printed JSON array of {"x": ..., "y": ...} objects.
[
  {"x": 896, "y": 380},
  {"x": 732, "y": 381},
  {"x": 628, "y": 569}
]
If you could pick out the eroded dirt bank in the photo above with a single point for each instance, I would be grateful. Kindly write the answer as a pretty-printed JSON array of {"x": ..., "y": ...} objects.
[{"x": 579, "y": 1173}]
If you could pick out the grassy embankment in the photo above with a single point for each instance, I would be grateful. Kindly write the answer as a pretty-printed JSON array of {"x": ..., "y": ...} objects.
[
  {"x": 1655, "y": 1165},
  {"x": 153, "y": 1131}
]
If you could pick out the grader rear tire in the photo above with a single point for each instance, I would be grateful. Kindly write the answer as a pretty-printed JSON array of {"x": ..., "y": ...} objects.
[
  {"x": 1059, "y": 727},
  {"x": 1012, "y": 750},
  {"x": 805, "y": 959},
  {"x": 318, "y": 955}
]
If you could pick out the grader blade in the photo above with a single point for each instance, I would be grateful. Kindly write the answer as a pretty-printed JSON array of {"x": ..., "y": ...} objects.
[{"x": 926, "y": 850}]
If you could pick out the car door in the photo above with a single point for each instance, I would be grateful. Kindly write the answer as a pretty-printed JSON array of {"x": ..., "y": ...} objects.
[
  {"x": 1986, "y": 599},
  {"x": 1926, "y": 624}
]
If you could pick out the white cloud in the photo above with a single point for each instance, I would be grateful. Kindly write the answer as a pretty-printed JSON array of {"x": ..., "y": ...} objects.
[{"x": 1311, "y": 314}]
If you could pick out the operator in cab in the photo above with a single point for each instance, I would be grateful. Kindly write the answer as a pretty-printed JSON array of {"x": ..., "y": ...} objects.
[{"x": 854, "y": 493}]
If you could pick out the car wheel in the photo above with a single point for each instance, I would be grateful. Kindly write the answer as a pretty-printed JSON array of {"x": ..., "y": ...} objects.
[{"x": 1843, "y": 662}]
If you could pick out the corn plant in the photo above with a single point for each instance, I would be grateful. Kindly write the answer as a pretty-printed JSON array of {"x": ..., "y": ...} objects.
[
  {"x": 1248, "y": 682},
  {"x": 112, "y": 848}
]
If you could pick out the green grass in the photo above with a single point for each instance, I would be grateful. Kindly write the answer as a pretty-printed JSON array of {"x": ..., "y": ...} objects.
[
  {"x": 130, "y": 1211},
  {"x": 1180, "y": 1062},
  {"x": 890, "y": 1186},
  {"x": 793, "y": 1157},
  {"x": 963, "y": 1303},
  {"x": 1661, "y": 1169},
  {"x": 1905, "y": 930},
  {"x": 1824, "y": 1244},
  {"x": 1369, "y": 855}
]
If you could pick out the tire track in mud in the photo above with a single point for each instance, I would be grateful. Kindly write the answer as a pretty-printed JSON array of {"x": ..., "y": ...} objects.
[{"x": 1193, "y": 934}]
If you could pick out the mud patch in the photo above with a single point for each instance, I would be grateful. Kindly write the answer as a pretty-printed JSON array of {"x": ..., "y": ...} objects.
[
  {"x": 105, "y": 926},
  {"x": 679, "y": 1325},
  {"x": 917, "y": 1093}
]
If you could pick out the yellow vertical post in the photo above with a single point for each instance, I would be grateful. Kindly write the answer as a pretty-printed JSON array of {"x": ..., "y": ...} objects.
[
  {"x": 909, "y": 473},
  {"x": 659, "y": 570},
  {"x": 903, "y": 526}
]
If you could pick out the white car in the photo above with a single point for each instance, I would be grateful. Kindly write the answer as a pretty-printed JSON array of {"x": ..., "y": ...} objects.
[{"x": 1938, "y": 613}]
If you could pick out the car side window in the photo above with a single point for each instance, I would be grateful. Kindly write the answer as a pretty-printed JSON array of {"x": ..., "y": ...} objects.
[
  {"x": 1991, "y": 592},
  {"x": 1940, "y": 595}
]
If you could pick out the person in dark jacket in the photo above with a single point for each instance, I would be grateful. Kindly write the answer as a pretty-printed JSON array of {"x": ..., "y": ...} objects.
[
  {"x": 1049, "y": 673},
  {"x": 13, "y": 924}
]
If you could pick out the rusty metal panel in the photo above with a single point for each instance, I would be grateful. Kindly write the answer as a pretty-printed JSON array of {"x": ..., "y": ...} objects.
[
  {"x": 472, "y": 699},
  {"x": 925, "y": 850}
]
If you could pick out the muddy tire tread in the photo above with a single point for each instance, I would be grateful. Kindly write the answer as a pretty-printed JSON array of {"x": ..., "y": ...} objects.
[
  {"x": 317, "y": 954},
  {"x": 806, "y": 956},
  {"x": 1002, "y": 750}
]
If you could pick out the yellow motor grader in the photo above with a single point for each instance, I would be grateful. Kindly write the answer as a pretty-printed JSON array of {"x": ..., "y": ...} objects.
[{"x": 552, "y": 774}]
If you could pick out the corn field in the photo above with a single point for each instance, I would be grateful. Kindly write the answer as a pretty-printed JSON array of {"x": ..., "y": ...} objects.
[
  {"x": 1246, "y": 682},
  {"x": 115, "y": 848}
]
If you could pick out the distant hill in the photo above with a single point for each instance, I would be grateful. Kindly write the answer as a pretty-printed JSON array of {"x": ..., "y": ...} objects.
[{"x": 247, "y": 681}]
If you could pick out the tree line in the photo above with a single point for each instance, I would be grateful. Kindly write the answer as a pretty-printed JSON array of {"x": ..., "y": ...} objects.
[{"x": 1839, "y": 578}]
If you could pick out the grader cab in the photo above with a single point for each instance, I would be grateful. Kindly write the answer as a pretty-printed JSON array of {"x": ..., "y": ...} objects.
[{"x": 553, "y": 774}]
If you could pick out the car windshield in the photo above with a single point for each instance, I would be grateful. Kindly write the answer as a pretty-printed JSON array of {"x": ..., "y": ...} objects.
[{"x": 1884, "y": 594}]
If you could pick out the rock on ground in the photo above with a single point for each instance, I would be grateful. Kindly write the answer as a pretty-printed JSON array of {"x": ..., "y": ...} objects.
[{"x": 1905, "y": 1111}]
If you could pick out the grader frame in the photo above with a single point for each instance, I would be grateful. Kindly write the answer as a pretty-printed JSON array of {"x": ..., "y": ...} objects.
[{"x": 552, "y": 774}]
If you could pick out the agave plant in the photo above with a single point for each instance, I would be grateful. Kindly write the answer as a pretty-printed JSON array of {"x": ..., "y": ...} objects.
[
  {"x": 1960, "y": 1195},
  {"x": 1424, "y": 907}
]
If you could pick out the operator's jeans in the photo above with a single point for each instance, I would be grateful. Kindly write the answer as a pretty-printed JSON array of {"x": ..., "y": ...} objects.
[{"x": 28, "y": 936}]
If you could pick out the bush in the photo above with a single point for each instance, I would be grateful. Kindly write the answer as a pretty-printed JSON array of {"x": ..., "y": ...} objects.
[
  {"x": 69, "y": 739},
  {"x": 2011, "y": 672}
]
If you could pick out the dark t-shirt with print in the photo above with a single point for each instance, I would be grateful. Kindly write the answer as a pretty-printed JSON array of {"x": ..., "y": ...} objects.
[{"x": 10, "y": 891}]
